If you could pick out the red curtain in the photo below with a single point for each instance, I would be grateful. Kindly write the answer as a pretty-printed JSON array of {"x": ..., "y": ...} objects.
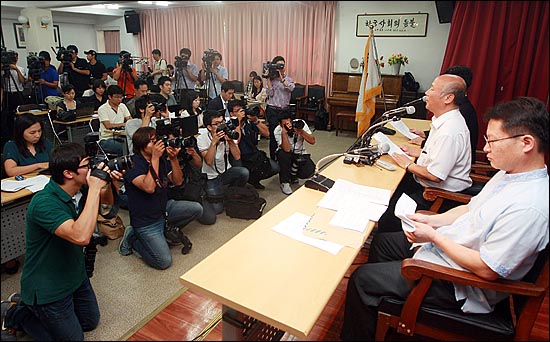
[{"x": 506, "y": 44}]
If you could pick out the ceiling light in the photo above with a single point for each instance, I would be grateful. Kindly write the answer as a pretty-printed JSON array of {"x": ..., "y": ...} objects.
[
  {"x": 98, "y": 6},
  {"x": 145, "y": 2},
  {"x": 44, "y": 21},
  {"x": 23, "y": 20},
  {"x": 162, "y": 3},
  {"x": 115, "y": 6}
]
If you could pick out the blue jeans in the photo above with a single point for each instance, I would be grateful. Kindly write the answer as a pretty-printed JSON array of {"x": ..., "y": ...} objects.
[
  {"x": 149, "y": 241},
  {"x": 112, "y": 146},
  {"x": 235, "y": 176},
  {"x": 62, "y": 320}
]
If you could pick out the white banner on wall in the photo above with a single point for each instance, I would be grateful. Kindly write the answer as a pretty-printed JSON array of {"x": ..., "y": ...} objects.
[{"x": 392, "y": 25}]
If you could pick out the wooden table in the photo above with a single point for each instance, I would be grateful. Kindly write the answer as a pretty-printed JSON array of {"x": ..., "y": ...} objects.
[
  {"x": 275, "y": 279},
  {"x": 76, "y": 124},
  {"x": 14, "y": 221},
  {"x": 34, "y": 112}
]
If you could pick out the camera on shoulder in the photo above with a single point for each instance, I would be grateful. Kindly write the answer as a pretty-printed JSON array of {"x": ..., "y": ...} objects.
[
  {"x": 208, "y": 57},
  {"x": 273, "y": 70}
]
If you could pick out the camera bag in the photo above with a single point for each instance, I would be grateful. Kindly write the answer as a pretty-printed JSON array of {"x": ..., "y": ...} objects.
[
  {"x": 66, "y": 115},
  {"x": 193, "y": 187},
  {"x": 321, "y": 119},
  {"x": 243, "y": 202}
]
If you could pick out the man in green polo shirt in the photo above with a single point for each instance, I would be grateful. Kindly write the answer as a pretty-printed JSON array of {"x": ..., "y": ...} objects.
[{"x": 57, "y": 299}]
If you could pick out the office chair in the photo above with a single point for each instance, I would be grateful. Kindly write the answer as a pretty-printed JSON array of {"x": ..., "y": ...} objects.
[
  {"x": 439, "y": 196},
  {"x": 239, "y": 86},
  {"x": 94, "y": 124},
  {"x": 504, "y": 323},
  {"x": 311, "y": 104}
]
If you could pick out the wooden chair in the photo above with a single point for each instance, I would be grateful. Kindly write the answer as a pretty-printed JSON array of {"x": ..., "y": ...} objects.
[
  {"x": 311, "y": 104},
  {"x": 506, "y": 322},
  {"x": 439, "y": 196},
  {"x": 341, "y": 117}
]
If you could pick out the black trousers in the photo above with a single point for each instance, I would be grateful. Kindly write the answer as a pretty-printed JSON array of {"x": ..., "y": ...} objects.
[
  {"x": 10, "y": 102},
  {"x": 272, "y": 116},
  {"x": 381, "y": 277},
  {"x": 305, "y": 169}
]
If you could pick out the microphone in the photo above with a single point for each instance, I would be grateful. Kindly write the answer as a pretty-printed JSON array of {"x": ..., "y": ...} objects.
[
  {"x": 422, "y": 99},
  {"x": 376, "y": 149},
  {"x": 401, "y": 110}
]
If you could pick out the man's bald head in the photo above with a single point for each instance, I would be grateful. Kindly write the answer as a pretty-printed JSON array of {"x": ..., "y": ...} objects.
[{"x": 455, "y": 85}]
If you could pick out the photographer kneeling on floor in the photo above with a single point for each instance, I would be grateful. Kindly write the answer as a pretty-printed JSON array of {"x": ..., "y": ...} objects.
[
  {"x": 154, "y": 218},
  {"x": 293, "y": 158},
  {"x": 57, "y": 301}
]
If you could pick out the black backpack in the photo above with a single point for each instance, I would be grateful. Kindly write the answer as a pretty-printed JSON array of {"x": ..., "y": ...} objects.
[
  {"x": 409, "y": 82},
  {"x": 321, "y": 119},
  {"x": 243, "y": 202}
]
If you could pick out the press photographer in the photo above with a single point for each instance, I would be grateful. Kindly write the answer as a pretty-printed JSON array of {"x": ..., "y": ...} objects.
[
  {"x": 293, "y": 158},
  {"x": 148, "y": 110},
  {"x": 272, "y": 70},
  {"x": 154, "y": 218},
  {"x": 125, "y": 74},
  {"x": 13, "y": 80},
  {"x": 42, "y": 72},
  {"x": 77, "y": 69},
  {"x": 279, "y": 89},
  {"x": 186, "y": 74},
  {"x": 212, "y": 73},
  {"x": 255, "y": 160},
  {"x": 62, "y": 218}
]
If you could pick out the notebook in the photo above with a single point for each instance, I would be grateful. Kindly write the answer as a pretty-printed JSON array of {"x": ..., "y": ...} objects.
[{"x": 85, "y": 109}]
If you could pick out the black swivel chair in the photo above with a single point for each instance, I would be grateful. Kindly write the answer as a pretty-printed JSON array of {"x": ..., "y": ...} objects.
[
  {"x": 311, "y": 104},
  {"x": 296, "y": 96}
]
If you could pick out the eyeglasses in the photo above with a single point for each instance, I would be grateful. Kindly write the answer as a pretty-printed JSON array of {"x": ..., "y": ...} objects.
[
  {"x": 86, "y": 166},
  {"x": 215, "y": 123},
  {"x": 495, "y": 140},
  {"x": 116, "y": 96}
]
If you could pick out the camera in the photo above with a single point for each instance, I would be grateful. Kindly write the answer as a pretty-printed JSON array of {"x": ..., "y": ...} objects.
[
  {"x": 64, "y": 55},
  {"x": 296, "y": 124},
  {"x": 159, "y": 107},
  {"x": 181, "y": 62},
  {"x": 34, "y": 65},
  {"x": 91, "y": 146},
  {"x": 91, "y": 250},
  {"x": 229, "y": 129},
  {"x": 8, "y": 57},
  {"x": 125, "y": 60},
  {"x": 273, "y": 70},
  {"x": 208, "y": 57},
  {"x": 177, "y": 132}
]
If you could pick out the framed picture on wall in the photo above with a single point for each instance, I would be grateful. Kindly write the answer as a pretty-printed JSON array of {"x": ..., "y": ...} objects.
[
  {"x": 19, "y": 31},
  {"x": 56, "y": 36}
]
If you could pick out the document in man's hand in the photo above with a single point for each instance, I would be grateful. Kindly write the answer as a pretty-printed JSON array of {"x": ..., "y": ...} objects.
[
  {"x": 402, "y": 128},
  {"x": 405, "y": 205},
  {"x": 381, "y": 138}
]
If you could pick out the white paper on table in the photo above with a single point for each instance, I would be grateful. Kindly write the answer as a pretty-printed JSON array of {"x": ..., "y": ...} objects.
[
  {"x": 293, "y": 227},
  {"x": 402, "y": 128},
  {"x": 405, "y": 205},
  {"x": 382, "y": 138},
  {"x": 38, "y": 183},
  {"x": 10, "y": 185},
  {"x": 357, "y": 216},
  {"x": 344, "y": 194}
]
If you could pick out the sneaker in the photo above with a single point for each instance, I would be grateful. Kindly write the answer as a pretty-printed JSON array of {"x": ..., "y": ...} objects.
[
  {"x": 7, "y": 333},
  {"x": 124, "y": 247},
  {"x": 258, "y": 186},
  {"x": 286, "y": 189},
  {"x": 172, "y": 235}
]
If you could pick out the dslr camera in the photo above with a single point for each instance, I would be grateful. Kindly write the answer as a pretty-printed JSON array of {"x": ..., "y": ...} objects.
[
  {"x": 91, "y": 250},
  {"x": 8, "y": 57},
  {"x": 125, "y": 60},
  {"x": 229, "y": 129},
  {"x": 273, "y": 70},
  {"x": 96, "y": 156},
  {"x": 208, "y": 57},
  {"x": 296, "y": 124},
  {"x": 173, "y": 133},
  {"x": 181, "y": 62}
]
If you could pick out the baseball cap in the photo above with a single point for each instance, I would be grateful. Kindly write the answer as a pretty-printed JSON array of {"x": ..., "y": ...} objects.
[{"x": 91, "y": 52}]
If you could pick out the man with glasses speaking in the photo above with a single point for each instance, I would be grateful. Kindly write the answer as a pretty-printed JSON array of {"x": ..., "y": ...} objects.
[{"x": 445, "y": 160}]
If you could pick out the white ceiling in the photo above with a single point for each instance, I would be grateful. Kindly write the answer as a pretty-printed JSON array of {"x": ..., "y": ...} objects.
[{"x": 85, "y": 6}]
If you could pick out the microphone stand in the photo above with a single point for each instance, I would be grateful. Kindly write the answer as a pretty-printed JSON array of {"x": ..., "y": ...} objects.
[{"x": 367, "y": 136}]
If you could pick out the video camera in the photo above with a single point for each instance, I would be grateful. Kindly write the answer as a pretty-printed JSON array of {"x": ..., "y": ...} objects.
[
  {"x": 208, "y": 57},
  {"x": 273, "y": 70},
  {"x": 125, "y": 60},
  {"x": 91, "y": 145},
  {"x": 64, "y": 55},
  {"x": 8, "y": 57},
  {"x": 181, "y": 62},
  {"x": 35, "y": 65},
  {"x": 182, "y": 131},
  {"x": 296, "y": 124}
]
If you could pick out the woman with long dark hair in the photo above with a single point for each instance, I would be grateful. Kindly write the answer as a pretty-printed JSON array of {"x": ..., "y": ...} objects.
[
  {"x": 191, "y": 103},
  {"x": 29, "y": 150},
  {"x": 258, "y": 93}
]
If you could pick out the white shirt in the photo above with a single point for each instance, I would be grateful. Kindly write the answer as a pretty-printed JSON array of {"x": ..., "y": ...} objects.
[
  {"x": 160, "y": 65},
  {"x": 131, "y": 127},
  {"x": 507, "y": 222},
  {"x": 222, "y": 154},
  {"x": 297, "y": 148},
  {"x": 447, "y": 153},
  {"x": 106, "y": 112},
  {"x": 15, "y": 85}
]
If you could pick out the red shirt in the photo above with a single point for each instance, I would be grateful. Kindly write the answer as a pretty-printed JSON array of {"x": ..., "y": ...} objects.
[{"x": 128, "y": 87}]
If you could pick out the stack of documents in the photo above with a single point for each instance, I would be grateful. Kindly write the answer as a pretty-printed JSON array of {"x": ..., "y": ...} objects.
[{"x": 33, "y": 184}]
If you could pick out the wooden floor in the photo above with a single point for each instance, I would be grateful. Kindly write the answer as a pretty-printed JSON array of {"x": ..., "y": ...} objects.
[{"x": 195, "y": 317}]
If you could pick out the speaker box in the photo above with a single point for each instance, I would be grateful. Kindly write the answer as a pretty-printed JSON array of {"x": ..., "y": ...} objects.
[
  {"x": 445, "y": 11},
  {"x": 131, "y": 19}
]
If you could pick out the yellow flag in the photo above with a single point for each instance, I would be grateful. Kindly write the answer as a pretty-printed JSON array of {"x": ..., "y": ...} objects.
[{"x": 370, "y": 88}]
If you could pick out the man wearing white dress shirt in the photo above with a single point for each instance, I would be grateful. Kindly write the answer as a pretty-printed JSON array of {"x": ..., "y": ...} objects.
[{"x": 445, "y": 160}]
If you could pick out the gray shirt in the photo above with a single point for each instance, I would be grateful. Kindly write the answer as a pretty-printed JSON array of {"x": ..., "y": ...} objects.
[{"x": 183, "y": 81}]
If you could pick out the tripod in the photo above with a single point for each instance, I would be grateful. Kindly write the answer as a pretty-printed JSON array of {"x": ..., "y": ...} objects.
[
  {"x": 210, "y": 78},
  {"x": 10, "y": 101},
  {"x": 180, "y": 92}
]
